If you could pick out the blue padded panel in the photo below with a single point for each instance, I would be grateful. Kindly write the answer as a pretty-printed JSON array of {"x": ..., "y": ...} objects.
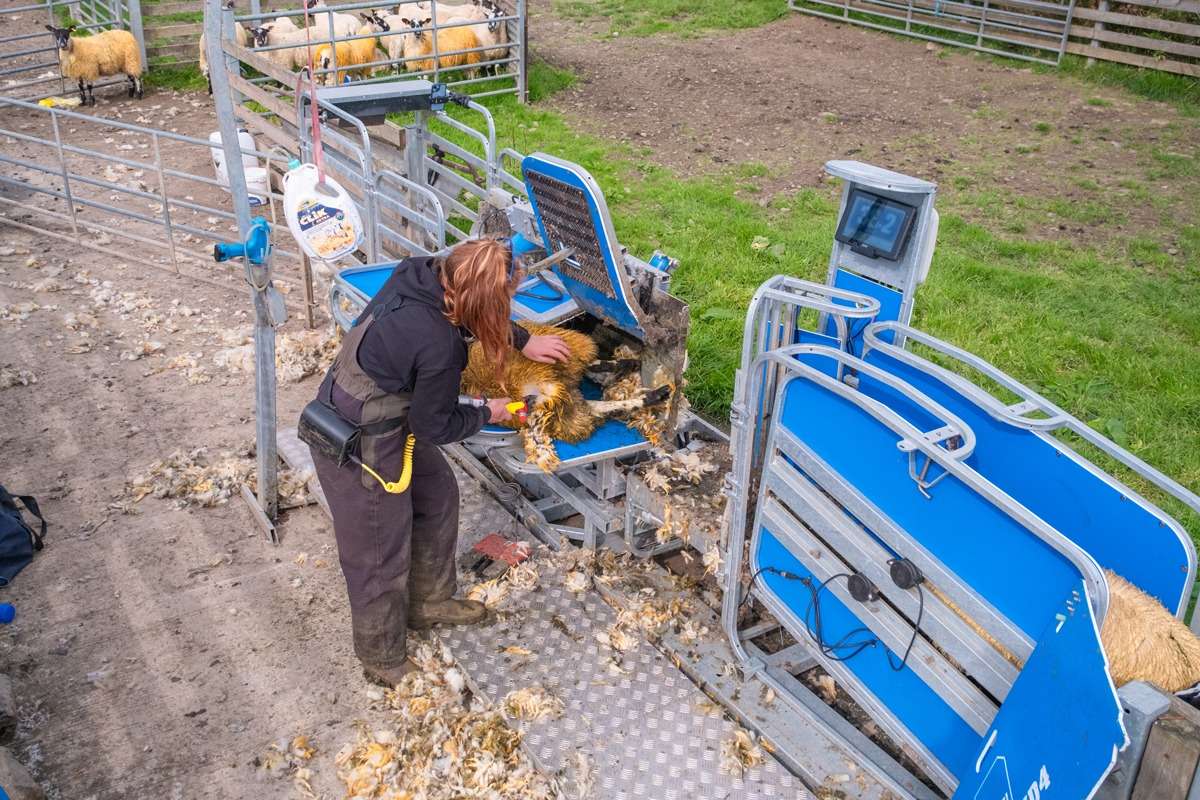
[
  {"x": 617, "y": 309},
  {"x": 1021, "y": 576},
  {"x": 889, "y": 299},
  {"x": 968, "y": 534},
  {"x": 910, "y": 699},
  {"x": 1060, "y": 726},
  {"x": 370, "y": 279},
  {"x": 1120, "y": 534}
]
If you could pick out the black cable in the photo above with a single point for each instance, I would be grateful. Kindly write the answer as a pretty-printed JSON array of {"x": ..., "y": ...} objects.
[
  {"x": 915, "y": 633},
  {"x": 558, "y": 296}
]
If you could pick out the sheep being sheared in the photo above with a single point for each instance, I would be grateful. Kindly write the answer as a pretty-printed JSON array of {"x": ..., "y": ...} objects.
[
  {"x": 557, "y": 408},
  {"x": 87, "y": 58}
]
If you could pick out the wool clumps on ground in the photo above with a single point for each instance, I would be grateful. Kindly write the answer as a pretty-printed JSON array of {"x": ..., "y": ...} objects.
[
  {"x": 11, "y": 376},
  {"x": 201, "y": 478},
  {"x": 297, "y": 355},
  {"x": 443, "y": 743},
  {"x": 740, "y": 752}
]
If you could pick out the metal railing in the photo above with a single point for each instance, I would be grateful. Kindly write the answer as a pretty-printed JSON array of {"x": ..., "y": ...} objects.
[
  {"x": 133, "y": 188},
  {"x": 499, "y": 67},
  {"x": 29, "y": 62},
  {"x": 1031, "y": 30}
]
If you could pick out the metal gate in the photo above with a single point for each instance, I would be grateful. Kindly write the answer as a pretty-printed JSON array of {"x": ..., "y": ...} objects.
[
  {"x": 29, "y": 67},
  {"x": 1032, "y": 30}
]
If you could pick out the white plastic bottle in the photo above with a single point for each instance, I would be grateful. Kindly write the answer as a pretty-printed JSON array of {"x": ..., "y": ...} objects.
[
  {"x": 324, "y": 221},
  {"x": 258, "y": 183}
]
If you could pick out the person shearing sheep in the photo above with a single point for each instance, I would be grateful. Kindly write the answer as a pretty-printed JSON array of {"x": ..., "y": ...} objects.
[
  {"x": 398, "y": 373},
  {"x": 86, "y": 58}
]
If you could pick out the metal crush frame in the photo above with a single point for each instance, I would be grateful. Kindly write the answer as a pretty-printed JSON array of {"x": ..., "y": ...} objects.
[
  {"x": 92, "y": 15},
  {"x": 1030, "y": 30}
]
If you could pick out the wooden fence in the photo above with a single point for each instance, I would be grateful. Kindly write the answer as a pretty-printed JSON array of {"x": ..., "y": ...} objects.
[{"x": 1158, "y": 34}]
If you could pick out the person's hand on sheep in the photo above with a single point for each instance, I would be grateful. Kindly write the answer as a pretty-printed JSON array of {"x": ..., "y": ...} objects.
[{"x": 546, "y": 349}]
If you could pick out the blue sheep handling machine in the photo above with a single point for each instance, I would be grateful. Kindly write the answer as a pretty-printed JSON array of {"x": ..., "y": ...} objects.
[
  {"x": 931, "y": 547},
  {"x": 595, "y": 285}
]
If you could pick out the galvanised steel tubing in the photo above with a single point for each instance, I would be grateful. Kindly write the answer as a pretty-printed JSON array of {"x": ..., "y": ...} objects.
[{"x": 258, "y": 276}]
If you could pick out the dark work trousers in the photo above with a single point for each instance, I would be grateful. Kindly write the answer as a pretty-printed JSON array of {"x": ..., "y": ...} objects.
[{"x": 395, "y": 549}]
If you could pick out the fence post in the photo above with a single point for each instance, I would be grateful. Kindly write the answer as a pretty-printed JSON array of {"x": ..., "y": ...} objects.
[
  {"x": 258, "y": 276},
  {"x": 523, "y": 53},
  {"x": 1097, "y": 26},
  {"x": 135, "y": 27}
]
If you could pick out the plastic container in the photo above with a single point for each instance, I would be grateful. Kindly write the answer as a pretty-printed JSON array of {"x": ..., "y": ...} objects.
[
  {"x": 324, "y": 222},
  {"x": 258, "y": 181}
]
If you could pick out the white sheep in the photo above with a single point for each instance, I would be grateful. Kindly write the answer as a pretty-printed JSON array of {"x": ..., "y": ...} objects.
[
  {"x": 343, "y": 24},
  {"x": 288, "y": 57},
  {"x": 452, "y": 42},
  {"x": 496, "y": 34},
  {"x": 86, "y": 58},
  {"x": 243, "y": 39}
]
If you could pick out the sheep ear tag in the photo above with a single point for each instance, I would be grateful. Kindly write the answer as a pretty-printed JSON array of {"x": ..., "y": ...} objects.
[
  {"x": 322, "y": 218},
  {"x": 1058, "y": 731}
]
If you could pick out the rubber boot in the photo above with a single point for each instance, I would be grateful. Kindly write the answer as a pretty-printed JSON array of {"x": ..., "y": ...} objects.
[
  {"x": 423, "y": 615},
  {"x": 389, "y": 676}
]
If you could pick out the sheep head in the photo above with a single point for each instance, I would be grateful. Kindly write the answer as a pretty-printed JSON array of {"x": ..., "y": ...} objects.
[
  {"x": 62, "y": 36},
  {"x": 261, "y": 34},
  {"x": 376, "y": 21}
]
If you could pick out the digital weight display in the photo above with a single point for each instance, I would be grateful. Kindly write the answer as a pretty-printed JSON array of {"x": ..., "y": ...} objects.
[{"x": 875, "y": 226}]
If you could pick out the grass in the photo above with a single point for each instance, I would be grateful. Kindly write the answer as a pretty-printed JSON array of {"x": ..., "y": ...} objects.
[
  {"x": 686, "y": 17},
  {"x": 1178, "y": 90},
  {"x": 176, "y": 78},
  {"x": 1109, "y": 333}
]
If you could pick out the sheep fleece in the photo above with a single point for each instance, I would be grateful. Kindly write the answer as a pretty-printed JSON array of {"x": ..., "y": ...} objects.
[
  {"x": 1144, "y": 642},
  {"x": 105, "y": 53}
]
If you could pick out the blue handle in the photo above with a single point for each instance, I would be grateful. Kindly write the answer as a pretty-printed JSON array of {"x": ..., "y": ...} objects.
[{"x": 256, "y": 247}]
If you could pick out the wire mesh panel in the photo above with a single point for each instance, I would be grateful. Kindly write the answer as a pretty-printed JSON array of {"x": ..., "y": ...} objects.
[
  {"x": 567, "y": 217},
  {"x": 1033, "y": 30}
]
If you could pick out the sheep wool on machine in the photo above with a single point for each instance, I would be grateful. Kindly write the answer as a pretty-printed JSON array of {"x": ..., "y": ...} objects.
[
  {"x": 557, "y": 407},
  {"x": 106, "y": 53}
]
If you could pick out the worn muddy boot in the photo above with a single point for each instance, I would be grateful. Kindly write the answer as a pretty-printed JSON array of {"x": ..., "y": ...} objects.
[
  {"x": 389, "y": 676},
  {"x": 423, "y": 615}
]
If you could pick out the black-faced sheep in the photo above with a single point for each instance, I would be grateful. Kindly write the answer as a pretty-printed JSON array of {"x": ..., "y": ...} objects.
[
  {"x": 556, "y": 407},
  {"x": 354, "y": 58},
  {"x": 86, "y": 58}
]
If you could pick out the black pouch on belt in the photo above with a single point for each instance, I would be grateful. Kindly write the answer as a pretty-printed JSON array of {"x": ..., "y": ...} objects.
[{"x": 325, "y": 430}]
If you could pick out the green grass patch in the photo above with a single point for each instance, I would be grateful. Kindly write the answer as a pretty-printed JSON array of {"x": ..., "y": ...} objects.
[
  {"x": 176, "y": 18},
  {"x": 1178, "y": 90},
  {"x": 685, "y": 17},
  {"x": 182, "y": 78}
]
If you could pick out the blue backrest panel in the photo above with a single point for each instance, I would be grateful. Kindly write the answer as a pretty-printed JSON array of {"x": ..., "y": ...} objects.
[
  {"x": 966, "y": 532},
  {"x": 889, "y": 299},
  {"x": 1119, "y": 533}
]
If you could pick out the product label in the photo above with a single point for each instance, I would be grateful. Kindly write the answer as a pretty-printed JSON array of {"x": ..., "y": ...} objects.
[{"x": 325, "y": 229}]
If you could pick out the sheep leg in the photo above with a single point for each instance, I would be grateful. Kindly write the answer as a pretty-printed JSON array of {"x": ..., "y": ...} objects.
[
  {"x": 132, "y": 85},
  {"x": 141, "y": 89},
  {"x": 650, "y": 397},
  {"x": 91, "y": 94},
  {"x": 82, "y": 93}
]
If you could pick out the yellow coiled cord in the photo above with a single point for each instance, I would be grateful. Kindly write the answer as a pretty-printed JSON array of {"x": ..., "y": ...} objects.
[{"x": 401, "y": 485}]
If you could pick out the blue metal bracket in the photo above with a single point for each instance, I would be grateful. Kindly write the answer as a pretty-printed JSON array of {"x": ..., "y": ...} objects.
[{"x": 255, "y": 249}]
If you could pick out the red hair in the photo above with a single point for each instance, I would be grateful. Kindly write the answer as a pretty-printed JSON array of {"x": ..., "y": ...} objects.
[{"x": 479, "y": 291}]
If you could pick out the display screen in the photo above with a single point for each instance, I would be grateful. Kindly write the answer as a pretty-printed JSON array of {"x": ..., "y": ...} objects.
[{"x": 875, "y": 226}]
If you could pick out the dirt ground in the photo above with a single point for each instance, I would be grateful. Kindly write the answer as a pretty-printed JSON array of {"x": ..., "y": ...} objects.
[{"x": 798, "y": 92}]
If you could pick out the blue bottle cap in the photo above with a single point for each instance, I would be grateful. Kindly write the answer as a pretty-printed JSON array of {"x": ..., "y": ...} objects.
[
  {"x": 7, "y": 613},
  {"x": 295, "y": 162}
]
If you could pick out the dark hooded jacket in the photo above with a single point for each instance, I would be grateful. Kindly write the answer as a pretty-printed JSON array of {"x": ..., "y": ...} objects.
[{"x": 412, "y": 347}]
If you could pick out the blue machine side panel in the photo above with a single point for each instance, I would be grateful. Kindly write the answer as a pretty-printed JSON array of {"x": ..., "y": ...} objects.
[
  {"x": 917, "y": 706},
  {"x": 616, "y": 310},
  {"x": 1019, "y": 574},
  {"x": 539, "y": 297},
  {"x": 1120, "y": 534},
  {"x": 368, "y": 280},
  {"x": 1058, "y": 732},
  {"x": 889, "y": 299}
]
